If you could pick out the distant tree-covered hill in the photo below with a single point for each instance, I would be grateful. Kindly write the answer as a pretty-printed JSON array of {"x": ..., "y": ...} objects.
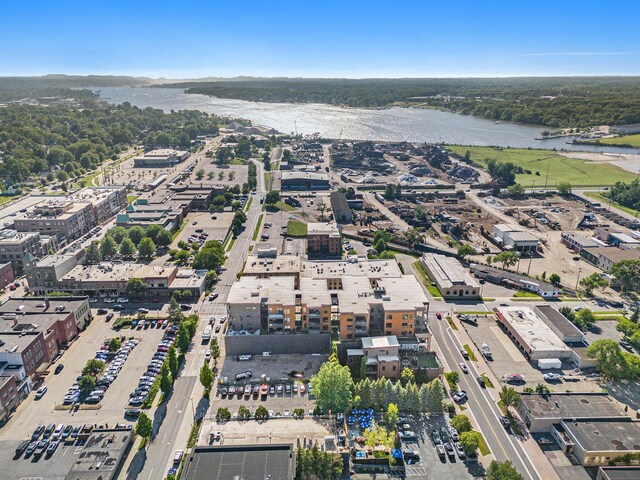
[{"x": 551, "y": 101}]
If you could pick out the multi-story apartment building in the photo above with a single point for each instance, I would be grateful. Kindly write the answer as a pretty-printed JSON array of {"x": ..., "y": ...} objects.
[
  {"x": 15, "y": 245},
  {"x": 72, "y": 216},
  {"x": 349, "y": 299},
  {"x": 323, "y": 240}
]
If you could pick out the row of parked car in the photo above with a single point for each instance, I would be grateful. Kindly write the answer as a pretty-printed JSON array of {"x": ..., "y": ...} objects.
[
  {"x": 263, "y": 390},
  {"x": 139, "y": 395},
  {"x": 115, "y": 361},
  {"x": 47, "y": 439}
]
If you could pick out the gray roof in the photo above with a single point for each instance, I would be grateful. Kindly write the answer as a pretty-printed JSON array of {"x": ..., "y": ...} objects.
[
  {"x": 571, "y": 405},
  {"x": 606, "y": 435},
  {"x": 380, "y": 342},
  {"x": 248, "y": 462},
  {"x": 620, "y": 473},
  {"x": 559, "y": 321}
]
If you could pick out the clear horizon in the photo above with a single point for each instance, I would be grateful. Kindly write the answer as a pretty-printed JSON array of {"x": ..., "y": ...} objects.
[{"x": 357, "y": 39}]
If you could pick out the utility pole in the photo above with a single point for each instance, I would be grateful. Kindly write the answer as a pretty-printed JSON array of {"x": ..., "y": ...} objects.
[{"x": 578, "y": 279}]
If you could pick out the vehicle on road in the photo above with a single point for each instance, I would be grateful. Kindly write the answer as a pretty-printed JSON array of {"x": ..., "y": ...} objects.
[
  {"x": 464, "y": 368},
  {"x": 552, "y": 377},
  {"x": 40, "y": 392},
  {"x": 459, "y": 396},
  {"x": 178, "y": 456},
  {"x": 464, "y": 354},
  {"x": 481, "y": 381},
  {"x": 58, "y": 369}
]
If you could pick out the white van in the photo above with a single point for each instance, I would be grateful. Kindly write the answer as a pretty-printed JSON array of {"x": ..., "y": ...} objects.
[
  {"x": 244, "y": 358},
  {"x": 266, "y": 354},
  {"x": 58, "y": 431}
]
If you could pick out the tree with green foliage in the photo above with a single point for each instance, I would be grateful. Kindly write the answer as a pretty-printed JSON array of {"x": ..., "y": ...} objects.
[
  {"x": 261, "y": 413},
  {"x": 465, "y": 250},
  {"x": 166, "y": 381},
  {"x": 333, "y": 387},
  {"x": 108, "y": 247},
  {"x": 554, "y": 278},
  {"x": 414, "y": 236},
  {"x": 542, "y": 389},
  {"x": 172, "y": 362},
  {"x": 469, "y": 441},
  {"x": 510, "y": 398},
  {"x": 506, "y": 258},
  {"x": 407, "y": 376},
  {"x": 452, "y": 379},
  {"x": 272, "y": 197},
  {"x": 314, "y": 464},
  {"x": 243, "y": 413},
  {"x": 87, "y": 383},
  {"x": 584, "y": 319},
  {"x": 214, "y": 348},
  {"x": 503, "y": 471},
  {"x": 224, "y": 155},
  {"x": 200, "y": 174},
  {"x": 435, "y": 396},
  {"x": 136, "y": 288},
  {"x": 114, "y": 344},
  {"x": 183, "y": 339},
  {"x": 135, "y": 233},
  {"x": 210, "y": 256},
  {"x": 127, "y": 248},
  {"x": 627, "y": 272},
  {"x": 118, "y": 234},
  {"x": 612, "y": 363},
  {"x": 391, "y": 416},
  {"x": 92, "y": 254},
  {"x": 175, "y": 312},
  {"x": 146, "y": 248},
  {"x": 144, "y": 426},
  {"x": 223, "y": 414},
  {"x": 164, "y": 238},
  {"x": 461, "y": 423},
  {"x": 564, "y": 188},
  {"x": 93, "y": 367},
  {"x": 206, "y": 377},
  {"x": 592, "y": 282},
  {"x": 516, "y": 190}
]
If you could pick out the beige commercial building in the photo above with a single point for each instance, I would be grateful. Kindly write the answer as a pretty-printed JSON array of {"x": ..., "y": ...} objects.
[{"x": 451, "y": 278}]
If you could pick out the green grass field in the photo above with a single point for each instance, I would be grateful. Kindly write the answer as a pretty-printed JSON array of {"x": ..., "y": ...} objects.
[
  {"x": 296, "y": 228},
  {"x": 284, "y": 207},
  {"x": 561, "y": 169},
  {"x": 631, "y": 140}
]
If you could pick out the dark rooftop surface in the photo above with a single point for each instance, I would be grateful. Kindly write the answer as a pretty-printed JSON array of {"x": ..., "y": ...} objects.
[
  {"x": 571, "y": 405},
  {"x": 621, "y": 473},
  {"x": 36, "y": 305},
  {"x": 606, "y": 435},
  {"x": 246, "y": 462},
  {"x": 101, "y": 456},
  {"x": 559, "y": 321}
]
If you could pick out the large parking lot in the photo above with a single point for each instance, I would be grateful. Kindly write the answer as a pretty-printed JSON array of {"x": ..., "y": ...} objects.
[
  {"x": 111, "y": 409},
  {"x": 216, "y": 228},
  {"x": 508, "y": 359}
]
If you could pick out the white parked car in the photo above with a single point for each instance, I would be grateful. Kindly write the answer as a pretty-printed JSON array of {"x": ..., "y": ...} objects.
[
  {"x": 552, "y": 376},
  {"x": 123, "y": 300},
  {"x": 109, "y": 300},
  {"x": 464, "y": 368}
]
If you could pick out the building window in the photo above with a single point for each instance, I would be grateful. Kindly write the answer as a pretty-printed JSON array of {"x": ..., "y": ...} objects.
[{"x": 389, "y": 325}]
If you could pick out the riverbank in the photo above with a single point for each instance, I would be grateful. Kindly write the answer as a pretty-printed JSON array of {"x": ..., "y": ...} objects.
[{"x": 625, "y": 141}]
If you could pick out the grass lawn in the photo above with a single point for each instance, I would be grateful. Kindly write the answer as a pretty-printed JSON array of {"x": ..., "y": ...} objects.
[
  {"x": 296, "y": 228},
  {"x": 132, "y": 198},
  {"x": 6, "y": 199},
  {"x": 258, "y": 225},
  {"x": 431, "y": 288},
  {"x": 487, "y": 381},
  {"x": 561, "y": 169},
  {"x": 450, "y": 322},
  {"x": 237, "y": 161},
  {"x": 482, "y": 444},
  {"x": 630, "y": 140},
  {"x": 472, "y": 356},
  {"x": 526, "y": 294},
  {"x": 284, "y": 207},
  {"x": 605, "y": 201}
]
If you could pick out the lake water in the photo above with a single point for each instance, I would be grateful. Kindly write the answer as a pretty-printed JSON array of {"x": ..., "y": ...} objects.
[{"x": 390, "y": 124}]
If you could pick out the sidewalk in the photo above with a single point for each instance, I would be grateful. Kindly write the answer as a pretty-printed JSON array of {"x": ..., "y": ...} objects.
[{"x": 530, "y": 447}]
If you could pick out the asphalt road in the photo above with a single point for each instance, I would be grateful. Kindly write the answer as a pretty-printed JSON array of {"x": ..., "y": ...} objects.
[
  {"x": 177, "y": 415},
  {"x": 503, "y": 445}
]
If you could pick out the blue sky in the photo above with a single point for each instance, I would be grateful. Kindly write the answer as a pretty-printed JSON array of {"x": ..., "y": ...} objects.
[{"x": 327, "y": 38}]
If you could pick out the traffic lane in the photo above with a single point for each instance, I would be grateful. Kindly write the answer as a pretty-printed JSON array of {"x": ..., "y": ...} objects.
[
  {"x": 161, "y": 449},
  {"x": 486, "y": 416}
]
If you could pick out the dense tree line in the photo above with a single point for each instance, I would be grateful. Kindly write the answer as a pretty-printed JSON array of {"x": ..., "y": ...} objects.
[
  {"x": 627, "y": 194},
  {"x": 39, "y": 140},
  {"x": 556, "y": 102}
]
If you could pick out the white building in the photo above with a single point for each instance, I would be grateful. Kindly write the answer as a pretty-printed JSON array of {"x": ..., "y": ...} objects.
[
  {"x": 514, "y": 237},
  {"x": 451, "y": 278}
]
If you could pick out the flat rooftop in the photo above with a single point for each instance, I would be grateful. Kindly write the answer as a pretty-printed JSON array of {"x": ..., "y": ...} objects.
[
  {"x": 103, "y": 272},
  {"x": 326, "y": 228},
  {"x": 448, "y": 271},
  {"x": 571, "y": 405},
  {"x": 337, "y": 268},
  {"x": 253, "y": 289},
  {"x": 296, "y": 174},
  {"x": 101, "y": 455},
  {"x": 532, "y": 329},
  {"x": 615, "y": 254},
  {"x": 606, "y": 435},
  {"x": 559, "y": 321},
  {"x": 518, "y": 236},
  {"x": 13, "y": 237},
  {"x": 245, "y": 462},
  {"x": 380, "y": 342},
  {"x": 37, "y": 305},
  {"x": 620, "y": 473},
  {"x": 282, "y": 264}
]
